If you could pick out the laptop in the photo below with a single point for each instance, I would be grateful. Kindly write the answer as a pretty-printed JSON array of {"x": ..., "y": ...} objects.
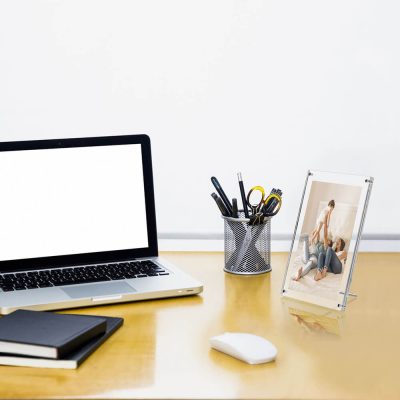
[{"x": 78, "y": 225}]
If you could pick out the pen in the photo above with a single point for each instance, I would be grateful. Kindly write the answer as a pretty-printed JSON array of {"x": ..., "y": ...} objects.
[
  {"x": 235, "y": 213},
  {"x": 243, "y": 195},
  {"x": 220, "y": 205},
  {"x": 222, "y": 194}
]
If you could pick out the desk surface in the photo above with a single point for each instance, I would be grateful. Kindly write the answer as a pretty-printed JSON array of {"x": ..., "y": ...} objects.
[{"x": 162, "y": 350}]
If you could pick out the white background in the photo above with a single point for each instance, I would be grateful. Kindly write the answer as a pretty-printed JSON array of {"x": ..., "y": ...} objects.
[
  {"x": 269, "y": 88},
  {"x": 71, "y": 201}
]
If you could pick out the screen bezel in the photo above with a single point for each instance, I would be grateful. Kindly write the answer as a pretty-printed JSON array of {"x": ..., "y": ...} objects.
[{"x": 103, "y": 256}]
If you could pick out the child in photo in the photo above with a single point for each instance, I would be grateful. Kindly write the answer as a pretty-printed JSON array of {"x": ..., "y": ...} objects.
[{"x": 327, "y": 211}]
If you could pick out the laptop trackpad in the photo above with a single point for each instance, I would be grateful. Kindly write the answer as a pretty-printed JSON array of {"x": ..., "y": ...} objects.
[{"x": 98, "y": 289}]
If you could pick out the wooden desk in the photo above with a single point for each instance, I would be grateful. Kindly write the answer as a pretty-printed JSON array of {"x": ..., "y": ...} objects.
[{"x": 162, "y": 351}]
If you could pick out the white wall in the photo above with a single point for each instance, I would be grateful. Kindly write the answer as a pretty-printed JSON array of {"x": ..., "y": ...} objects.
[{"x": 270, "y": 88}]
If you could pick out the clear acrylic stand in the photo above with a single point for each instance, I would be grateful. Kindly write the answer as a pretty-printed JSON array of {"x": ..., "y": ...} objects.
[{"x": 351, "y": 193}]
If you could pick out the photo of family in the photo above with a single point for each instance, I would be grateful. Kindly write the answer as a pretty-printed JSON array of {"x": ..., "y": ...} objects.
[{"x": 319, "y": 259}]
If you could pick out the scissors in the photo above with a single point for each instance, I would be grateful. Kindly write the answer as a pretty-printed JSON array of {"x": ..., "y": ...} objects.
[
  {"x": 258, "y": 208},
  {"x": 272, "y": 207},
  {"x": 252, "y": 201}
]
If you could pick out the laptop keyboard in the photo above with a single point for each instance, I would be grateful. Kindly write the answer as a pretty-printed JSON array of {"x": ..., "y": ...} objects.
[{"x": 76, "y": 275}]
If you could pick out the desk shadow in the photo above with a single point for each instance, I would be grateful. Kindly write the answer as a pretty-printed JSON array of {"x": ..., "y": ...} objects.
[{"x": 314, "y": 319}]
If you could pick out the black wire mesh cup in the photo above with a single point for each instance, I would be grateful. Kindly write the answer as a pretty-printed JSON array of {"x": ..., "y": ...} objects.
[{"x": 247, "y": 247}]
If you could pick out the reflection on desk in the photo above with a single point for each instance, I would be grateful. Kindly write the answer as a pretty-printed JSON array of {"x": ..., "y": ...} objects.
[{"x": 313, "y": 318}]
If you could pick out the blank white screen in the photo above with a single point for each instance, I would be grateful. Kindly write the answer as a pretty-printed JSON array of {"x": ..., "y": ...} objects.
[{"x": 71, "y": 201}]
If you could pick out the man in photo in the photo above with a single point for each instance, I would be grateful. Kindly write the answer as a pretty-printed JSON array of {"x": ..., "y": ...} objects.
[{"x": 322, "y": 256}]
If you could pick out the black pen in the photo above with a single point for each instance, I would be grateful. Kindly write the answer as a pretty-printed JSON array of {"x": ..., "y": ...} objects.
[
  {"x": 235, "y": 213},
  {"x": 220, "y": 205},
  {"x": 222, "y": 194},
  {"x": 243, "y": 195}
]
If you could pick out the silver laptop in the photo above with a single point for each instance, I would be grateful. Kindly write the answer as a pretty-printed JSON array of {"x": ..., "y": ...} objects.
[{"x": 78, "y": 225}]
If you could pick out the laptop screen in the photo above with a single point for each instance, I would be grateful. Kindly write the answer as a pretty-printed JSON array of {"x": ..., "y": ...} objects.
[{"x": 71, "y": 201}]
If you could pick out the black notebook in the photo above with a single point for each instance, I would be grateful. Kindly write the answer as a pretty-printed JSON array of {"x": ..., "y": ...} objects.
[
  {"x": 46, "y": 334},
  {"x": 71, "y": 361}
]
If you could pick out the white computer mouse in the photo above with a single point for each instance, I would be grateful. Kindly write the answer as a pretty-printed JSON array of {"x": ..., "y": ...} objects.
[{"x": 250, "y": 348}]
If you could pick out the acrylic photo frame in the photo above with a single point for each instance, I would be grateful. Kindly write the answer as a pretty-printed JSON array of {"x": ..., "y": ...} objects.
[{"x": 344, "y": 223}]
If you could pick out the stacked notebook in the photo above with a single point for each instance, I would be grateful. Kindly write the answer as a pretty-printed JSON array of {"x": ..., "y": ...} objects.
[{"x": 49, "y": 340}]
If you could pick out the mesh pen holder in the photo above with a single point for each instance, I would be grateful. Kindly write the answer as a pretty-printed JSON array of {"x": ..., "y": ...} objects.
[{"x": 247, "y": 247}]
